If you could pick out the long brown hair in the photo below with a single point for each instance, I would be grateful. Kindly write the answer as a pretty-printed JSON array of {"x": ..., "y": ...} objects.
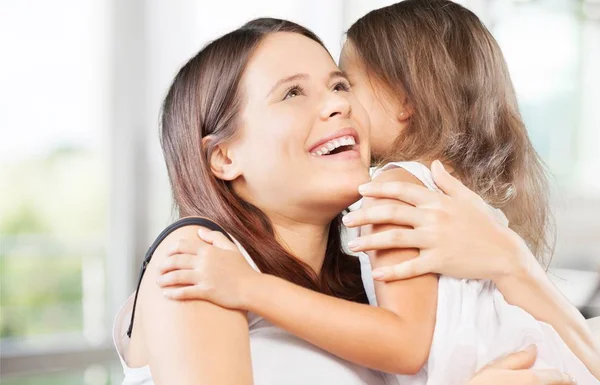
[
  {"x": 464, "y": 105},
  {"x": 204, "y": 99}
]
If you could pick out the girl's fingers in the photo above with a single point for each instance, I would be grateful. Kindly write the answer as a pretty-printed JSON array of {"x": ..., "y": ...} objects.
[
  {"x": 177, "y": 277},
  {"x": 393, "y": 214},
  {"x": 185, "y": 246},
  {"x": 217, "y": 239},
  {"x": 409, "y": 269},
  {"x": 390, "y": 239},
  {"x": 407, "y": 192},
  {"x": 179, "y": 262},
  {"x": 186, "y": 293}
]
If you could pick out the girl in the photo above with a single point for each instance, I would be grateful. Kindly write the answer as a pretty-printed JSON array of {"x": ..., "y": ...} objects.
[{"x": 450, "y": 105}]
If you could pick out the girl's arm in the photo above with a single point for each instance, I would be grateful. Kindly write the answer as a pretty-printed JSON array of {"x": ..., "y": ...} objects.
[
  {"x": 413, "y": 300},
  {"x": 460, "y": 229},
  {"x": 191, "y": 342},
  {"x": 369, "y": 336},
  {"x": 394, "y": 337},
  {"x": 236, "y": 276}
]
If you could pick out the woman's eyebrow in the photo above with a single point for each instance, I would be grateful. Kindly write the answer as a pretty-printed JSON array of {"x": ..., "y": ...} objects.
[
  {"x": 287, "y": 80},
  {"x": 337, "y": 74},
  {"x": 302, "y": 76}
]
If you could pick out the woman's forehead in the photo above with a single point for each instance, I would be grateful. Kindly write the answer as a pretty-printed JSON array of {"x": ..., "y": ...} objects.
[{"x": 284, "y": 54}]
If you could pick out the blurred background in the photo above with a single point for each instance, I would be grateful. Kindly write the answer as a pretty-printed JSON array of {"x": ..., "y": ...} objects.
[{"x": 83, "y": 188}]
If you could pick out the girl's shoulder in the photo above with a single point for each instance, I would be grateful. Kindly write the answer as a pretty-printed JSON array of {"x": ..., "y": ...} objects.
[{"x": 416, "y": 169}]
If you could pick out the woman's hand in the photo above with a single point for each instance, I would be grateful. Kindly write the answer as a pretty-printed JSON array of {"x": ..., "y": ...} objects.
[
  {"x": 459, "y": 236},
  {"x": 456, "y": 232},
  {"x": 514, "y": 370},
  {"x": 209, "y": 268}
]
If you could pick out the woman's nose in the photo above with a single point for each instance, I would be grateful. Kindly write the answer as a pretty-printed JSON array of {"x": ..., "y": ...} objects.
[{"x": 336, "y": 104}]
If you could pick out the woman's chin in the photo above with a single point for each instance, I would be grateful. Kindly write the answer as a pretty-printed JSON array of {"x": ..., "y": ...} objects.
[
  {"x": 347, "y": 189},
  {"x": 329, "y": 195},
  {"x": 342, "y": 199}
]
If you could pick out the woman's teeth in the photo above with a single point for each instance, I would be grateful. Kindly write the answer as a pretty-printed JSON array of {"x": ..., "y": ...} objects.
[{"x": 328, "y": 147}]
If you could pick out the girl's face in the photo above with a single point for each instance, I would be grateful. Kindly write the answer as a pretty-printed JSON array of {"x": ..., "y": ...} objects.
[
  {"x": 387, "y": 111},
  {"x": 303, "y": 147}
]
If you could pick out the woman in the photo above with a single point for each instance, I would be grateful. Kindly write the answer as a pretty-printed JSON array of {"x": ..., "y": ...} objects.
[{"x": 242, "y": 105}]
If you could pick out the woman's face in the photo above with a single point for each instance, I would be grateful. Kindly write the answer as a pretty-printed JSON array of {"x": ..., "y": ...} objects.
[
  {"x": 303, "y": 146},
  {"x": 387, "y": 113}
]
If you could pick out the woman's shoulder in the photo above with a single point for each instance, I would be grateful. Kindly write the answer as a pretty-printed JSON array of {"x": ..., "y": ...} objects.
[
  {"x": 187, "y": 226},
  {"x": 180, "y": 231}
]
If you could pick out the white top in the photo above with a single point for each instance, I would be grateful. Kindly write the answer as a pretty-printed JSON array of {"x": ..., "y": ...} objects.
[
  {"x": 278, "y": 357},
  {"x": 475, "y": 325}
]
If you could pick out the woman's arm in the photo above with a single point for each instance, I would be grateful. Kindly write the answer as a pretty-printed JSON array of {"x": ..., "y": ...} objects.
[
  {"x": 394, "y": 337},
  {"x": 462, "y": 229},
  {"x": 532, "y": 290},
  {"x": 190, "y": 342}
]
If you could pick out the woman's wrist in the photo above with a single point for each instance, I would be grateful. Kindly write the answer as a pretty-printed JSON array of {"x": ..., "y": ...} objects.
[{"x": 520, "y": 268}]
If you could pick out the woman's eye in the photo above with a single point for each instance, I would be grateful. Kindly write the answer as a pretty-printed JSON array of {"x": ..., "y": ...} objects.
[
  {"x": 293, "y": 92},
  {"x": 341, "y": 86}
]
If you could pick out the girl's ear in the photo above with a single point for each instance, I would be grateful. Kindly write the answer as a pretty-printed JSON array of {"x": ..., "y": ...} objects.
[{"x": 406, "y": 111}]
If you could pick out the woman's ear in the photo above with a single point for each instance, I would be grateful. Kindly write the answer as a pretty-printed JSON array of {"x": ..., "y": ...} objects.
[{"x": 222, "y": 160}]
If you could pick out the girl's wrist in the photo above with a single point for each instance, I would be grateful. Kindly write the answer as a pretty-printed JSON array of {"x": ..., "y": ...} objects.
[{"x": 254, "y": 289}]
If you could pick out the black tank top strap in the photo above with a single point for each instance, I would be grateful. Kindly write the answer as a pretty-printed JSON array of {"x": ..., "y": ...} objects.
[{"x": 193, "y": 221}]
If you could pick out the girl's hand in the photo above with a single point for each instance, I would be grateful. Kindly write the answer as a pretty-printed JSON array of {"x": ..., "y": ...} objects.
[
  {"x": 456, "y": 232},
  {"x": 514, "y": 370},
  {"x": 209, "y": 268}
]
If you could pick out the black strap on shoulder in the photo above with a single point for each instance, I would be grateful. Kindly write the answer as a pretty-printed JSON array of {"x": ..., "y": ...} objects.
[{"x": 193, "y": 221}]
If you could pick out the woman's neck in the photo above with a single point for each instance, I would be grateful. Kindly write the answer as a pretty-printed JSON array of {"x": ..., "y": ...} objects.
[{"x": 306, "y": 241}]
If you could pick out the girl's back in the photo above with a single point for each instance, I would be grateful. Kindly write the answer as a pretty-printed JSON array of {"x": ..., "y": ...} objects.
[{"x": 475, "y": 325}]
